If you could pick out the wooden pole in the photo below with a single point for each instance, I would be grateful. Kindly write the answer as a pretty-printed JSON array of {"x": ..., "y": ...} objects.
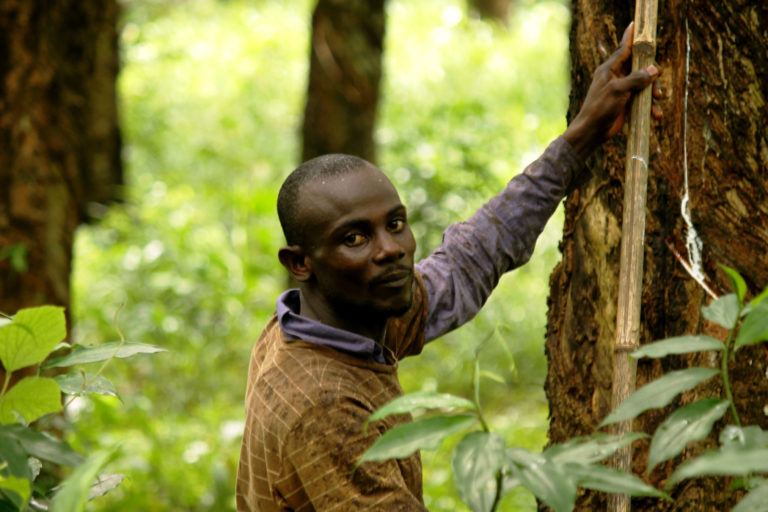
[{"x": 633, "y": 235}]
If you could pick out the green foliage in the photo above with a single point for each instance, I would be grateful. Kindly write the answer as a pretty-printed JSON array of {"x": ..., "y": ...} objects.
[
  {"x": 212, "y": 95},
  {"x": 28, "y": 339},
  {"x": 554, "y": 475},
  {"x": 659, "y": 393}
]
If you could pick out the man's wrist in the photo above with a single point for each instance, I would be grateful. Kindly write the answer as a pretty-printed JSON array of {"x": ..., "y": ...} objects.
[{"x": 579, "y": 138}]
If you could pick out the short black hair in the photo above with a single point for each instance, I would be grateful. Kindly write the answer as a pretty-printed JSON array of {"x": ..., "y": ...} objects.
[{"x": 325, "y": 166}]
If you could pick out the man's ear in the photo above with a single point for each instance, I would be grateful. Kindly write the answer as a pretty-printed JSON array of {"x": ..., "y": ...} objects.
[{"x": 296, "y": 261}]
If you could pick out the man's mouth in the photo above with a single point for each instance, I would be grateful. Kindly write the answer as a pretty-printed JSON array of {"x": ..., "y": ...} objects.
[{"x": 393, "y": 278}]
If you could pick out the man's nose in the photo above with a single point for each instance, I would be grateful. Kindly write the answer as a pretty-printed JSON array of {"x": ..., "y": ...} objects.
[{"x": 389, "y": 248}]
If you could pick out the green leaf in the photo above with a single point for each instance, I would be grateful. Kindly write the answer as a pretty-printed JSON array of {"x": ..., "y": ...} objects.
[
  {"x": 31, "y": 398},
  {"x": 678, "y": 345},
  {"x": 422, "y": 434},
  {"x": 32, "y": 336},
  {"x": 105, "y": 483},
  {"x": 591, "y": 449},
  {"x": 722, "y": 462},
  {"x": 548, "y": 481},
  {"x": 76, "y": 489},
  {"x": 754, "y": 328},
  {"x": 601, "y": 478},
  {"x": 743, "y": 438},
  {"x": 20, "y": 487},
  {"x": 476, "y": 462},
  {"x": 724, "y": 311},
  {"x": 690, "y": 423},
  {"x": 759, "y": 299},
  {"x": 755, "y": 501},
  {"x": 75, "y": 383},
  {"x": 421, "y": 400},
  {"x": 12, "y": 456},
  {"x": 658, "y": 393},
  {"x": 42, "y": 445},
  {"x": 96, "y": 353},
  {"x": 739, "y": 286}
]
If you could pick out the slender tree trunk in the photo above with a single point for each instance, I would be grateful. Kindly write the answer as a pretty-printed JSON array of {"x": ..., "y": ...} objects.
[
  {"x": 492, "y": 9},
  {"x": 715, "y": 130},
  {"x": 59, "y": 139},
  {"x": 344, "y": 76}
]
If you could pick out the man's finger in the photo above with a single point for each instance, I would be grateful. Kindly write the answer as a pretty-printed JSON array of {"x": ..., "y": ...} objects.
[
  {"x": 636, "y": 80},
  {"x": 622, "y": 53}
]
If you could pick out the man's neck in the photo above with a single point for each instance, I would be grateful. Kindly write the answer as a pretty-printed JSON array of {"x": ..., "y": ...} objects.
[{"x": 318, "y": 309}]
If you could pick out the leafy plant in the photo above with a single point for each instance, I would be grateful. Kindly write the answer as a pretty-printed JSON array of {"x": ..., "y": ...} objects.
[
  {"x": 27, "y": 340},
  {"x": 484, "y": 469}
]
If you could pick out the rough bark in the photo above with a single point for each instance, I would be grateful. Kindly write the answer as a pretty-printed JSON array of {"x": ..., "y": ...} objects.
[
  {"x": 722, "y": 139},
  {"x": 59, "y": 139},
  {"x": 344, "y": 76}
]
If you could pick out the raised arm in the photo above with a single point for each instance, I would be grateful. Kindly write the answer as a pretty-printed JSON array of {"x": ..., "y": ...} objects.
[{"x": 461, "y": 274}]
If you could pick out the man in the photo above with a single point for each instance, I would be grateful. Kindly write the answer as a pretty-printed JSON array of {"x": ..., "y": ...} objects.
[{"x": 328, "y": 358}]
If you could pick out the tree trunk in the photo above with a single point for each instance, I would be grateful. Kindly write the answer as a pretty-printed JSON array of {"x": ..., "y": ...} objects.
[
  {"x": 59, "y": 139},
  {"x": 719, "y": 135},
  {"x": 344, "y": 76},
  {"x": 492, "y": 9}
]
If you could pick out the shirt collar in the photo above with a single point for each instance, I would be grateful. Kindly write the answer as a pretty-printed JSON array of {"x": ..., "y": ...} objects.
[{"x": 300, "y": 327}]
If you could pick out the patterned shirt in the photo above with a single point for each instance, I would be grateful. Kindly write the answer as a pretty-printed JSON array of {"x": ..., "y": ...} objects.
[{"x": 311, "y": 387}]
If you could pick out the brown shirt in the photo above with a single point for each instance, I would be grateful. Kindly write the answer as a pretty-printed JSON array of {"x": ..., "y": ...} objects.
[{"x": 305, "y": 409}]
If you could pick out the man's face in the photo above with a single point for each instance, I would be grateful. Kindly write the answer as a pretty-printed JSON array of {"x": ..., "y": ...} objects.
[{"x": 359, "y": 244}]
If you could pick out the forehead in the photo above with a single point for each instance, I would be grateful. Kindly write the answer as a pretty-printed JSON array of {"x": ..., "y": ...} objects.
[{"x": 364, "y": 194}]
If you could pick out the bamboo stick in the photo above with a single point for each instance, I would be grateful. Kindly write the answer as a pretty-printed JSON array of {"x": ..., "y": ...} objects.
[{"x": 633, "y": 235}]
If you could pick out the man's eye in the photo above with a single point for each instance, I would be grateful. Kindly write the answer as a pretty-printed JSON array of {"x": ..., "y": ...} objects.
[
  {"x": 354, "y": 239},
  {"x": 397, "y": 225}
]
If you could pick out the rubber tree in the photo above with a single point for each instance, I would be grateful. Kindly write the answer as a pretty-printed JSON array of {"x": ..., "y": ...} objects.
[{"x": 707, "y": 203}]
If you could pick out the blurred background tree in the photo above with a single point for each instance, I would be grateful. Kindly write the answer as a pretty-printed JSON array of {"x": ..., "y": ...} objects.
[
  {"x": 212, "y": 99},
  {"x": 59, "y": 140},
  {"x": 344, "y": 74}
]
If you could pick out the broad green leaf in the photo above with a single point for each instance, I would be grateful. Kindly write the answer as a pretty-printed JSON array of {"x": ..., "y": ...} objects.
[
  {"x": 591, "y": 449},
  {"x": 548, "y": 481},
  {"x": 476, "y": 463},
  {"x": 75, "y": 490},
  {"x": 42, "y": 445},
  {"x": 31, "y": 398},
  {"x": 74, "y": 383},
  {"x": 755, "y": 501},
  {"x": 605, "y": 479},
  {"x": 724, "y": 311},
  {"x": 421, "y": 400},
  {"x": 739, "y": 286},
  {"x": 722, "y": 462},
  {"x": 32, "y": 336},
  {"x": 658, "y": 393},
  {"x": 422, "y": 434},
  {"x": 84, "y": 355},
  {"x": 21, "y": 487},
  {"x": 689, "y": 423},
  {"x": 754, "y": 328},
  {"x": 5, "y": 321},
  {"x": 678, "y": 345}
]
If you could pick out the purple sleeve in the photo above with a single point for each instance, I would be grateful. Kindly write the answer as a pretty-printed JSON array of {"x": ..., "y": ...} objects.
[{"x": 461, "y": 274}]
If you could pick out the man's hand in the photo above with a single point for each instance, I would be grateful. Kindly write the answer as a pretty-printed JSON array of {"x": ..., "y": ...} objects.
[{"x": 607, "y": 103}]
